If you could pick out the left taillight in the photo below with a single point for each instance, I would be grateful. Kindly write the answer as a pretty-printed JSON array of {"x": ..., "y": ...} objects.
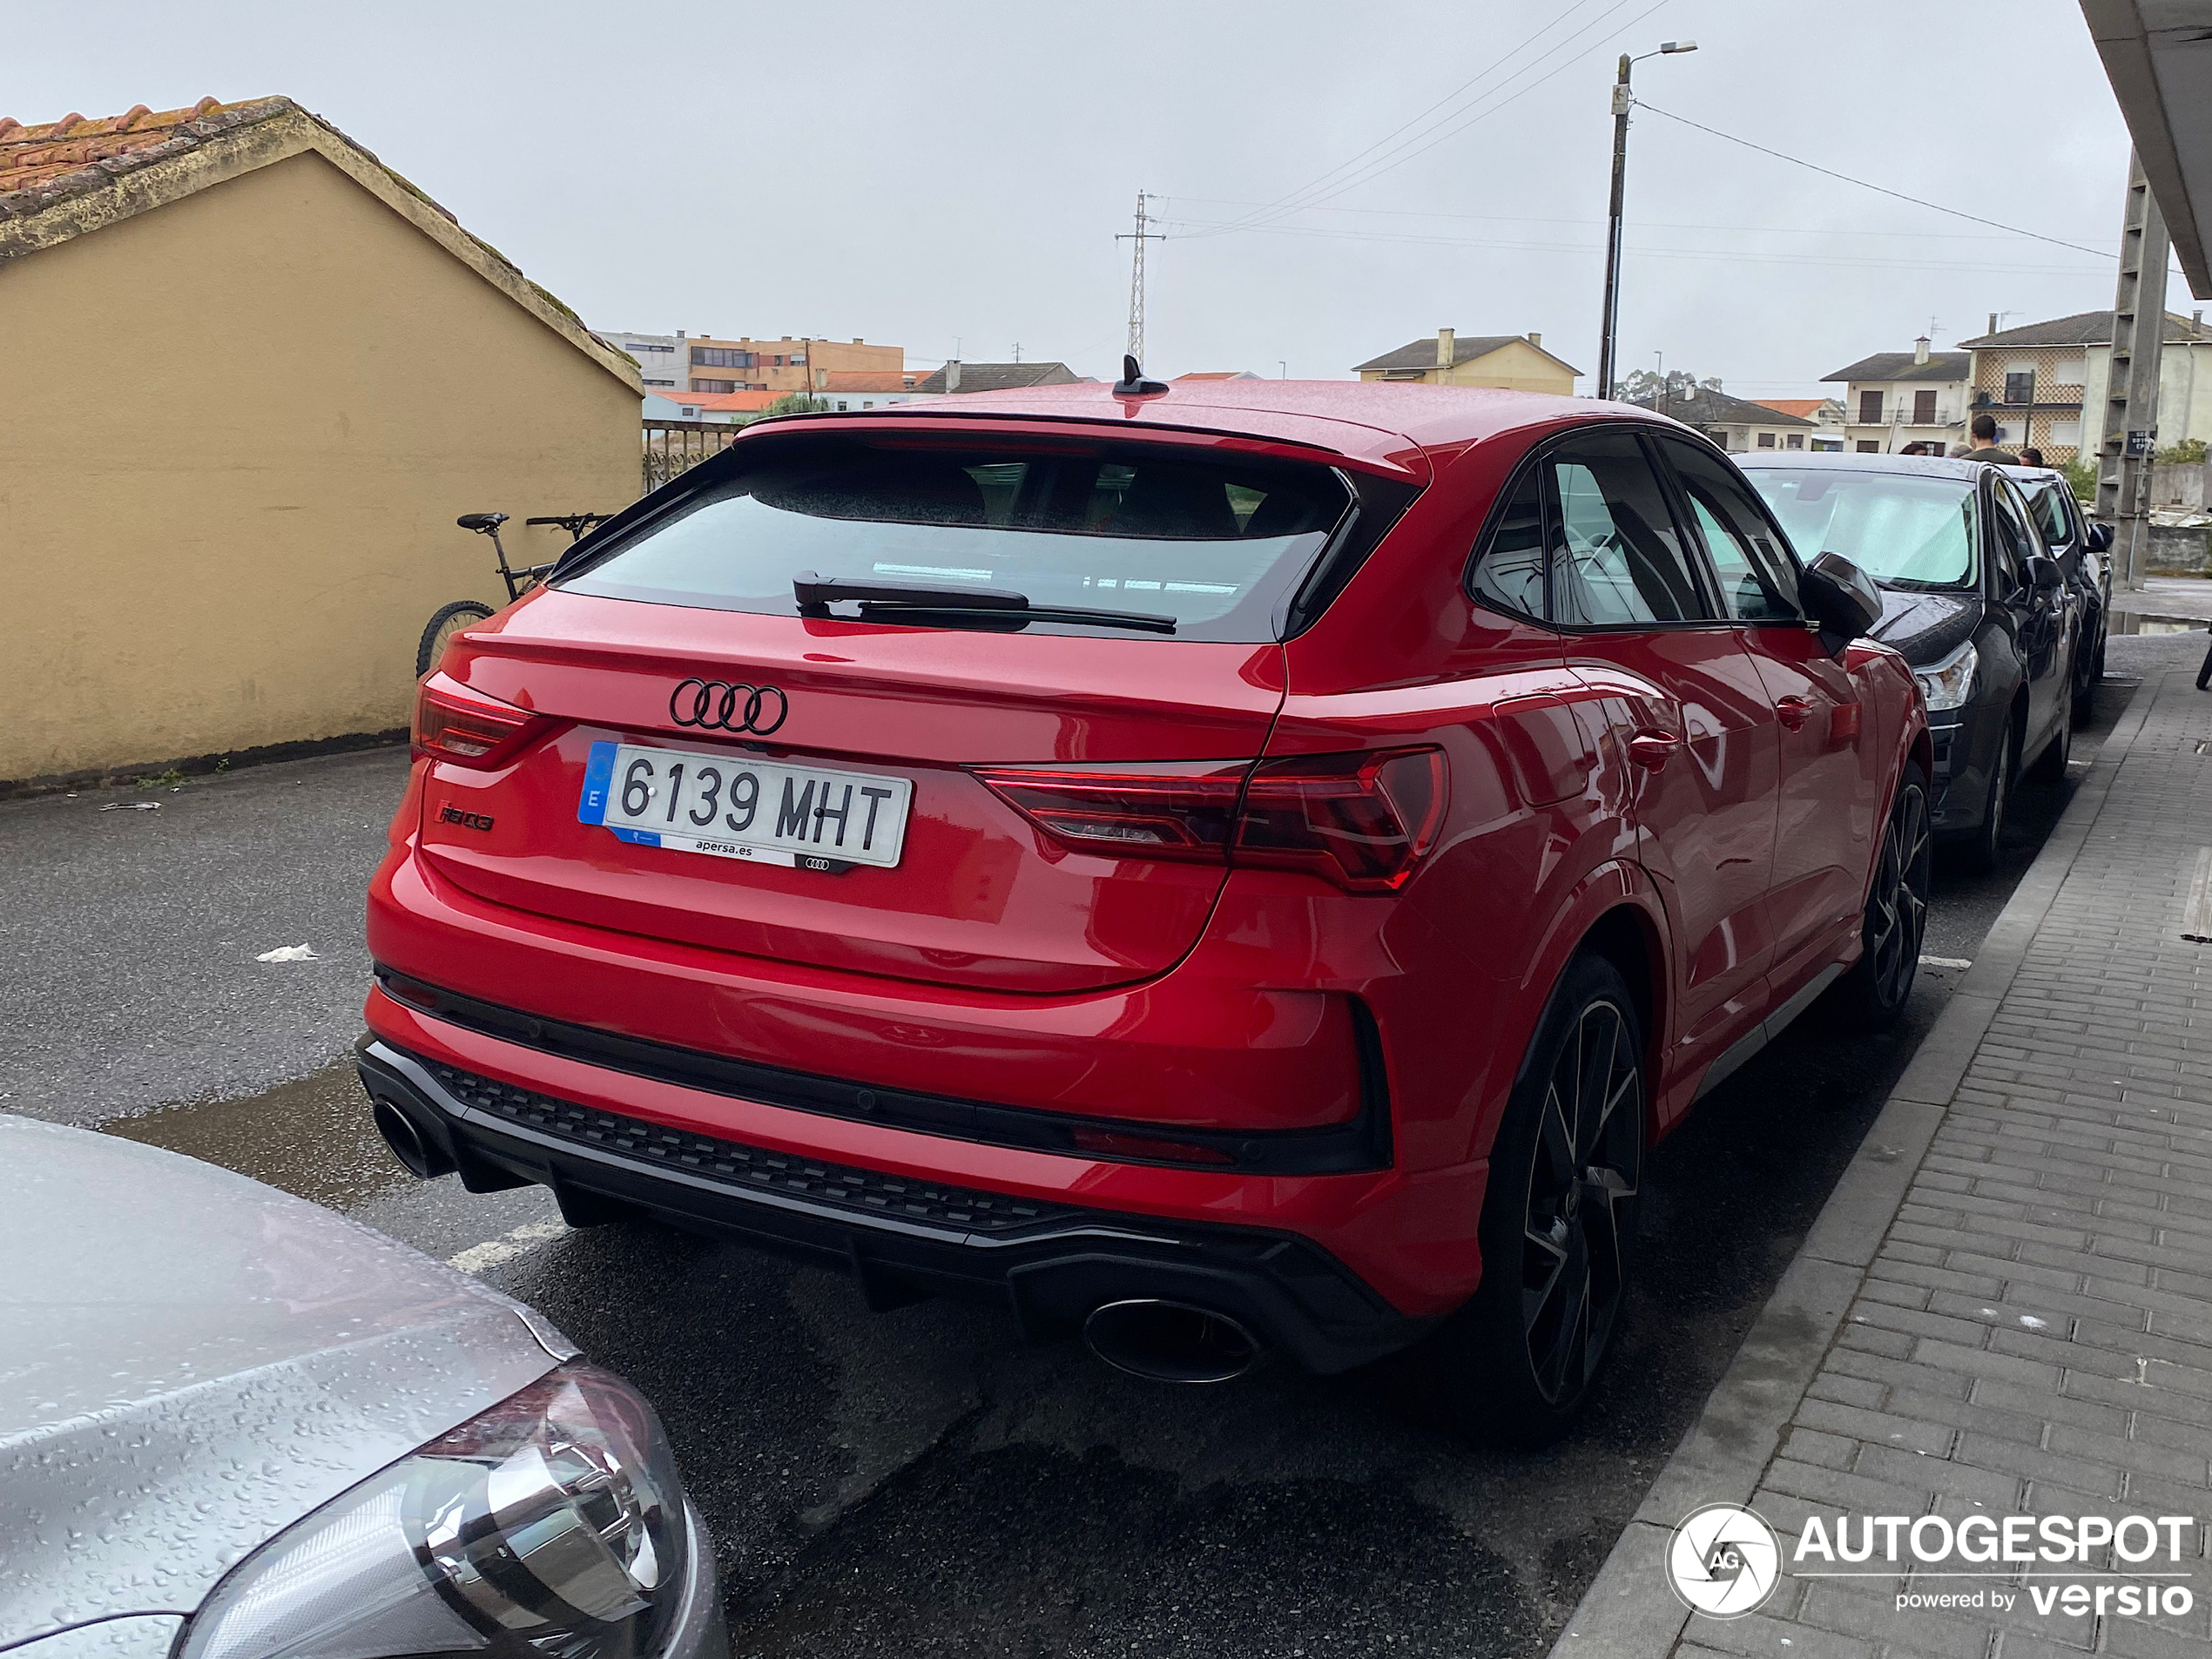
[
  {"x": 466, "y": 728},
  {"x": 1361, "y": 820}
]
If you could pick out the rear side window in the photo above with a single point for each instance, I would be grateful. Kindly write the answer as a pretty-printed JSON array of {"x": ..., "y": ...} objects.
[
  {"x": 1758, "y": 583},
  {"x": 1621, "y": 560},
  {"x": 1510, "y": 574},
  {"x": 1218, "y": 544}
]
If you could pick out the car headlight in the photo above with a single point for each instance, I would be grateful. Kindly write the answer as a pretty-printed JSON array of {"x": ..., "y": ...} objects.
[
  {"x": 551, "y": 1525},
  {"x": 1948, "y": 683}
]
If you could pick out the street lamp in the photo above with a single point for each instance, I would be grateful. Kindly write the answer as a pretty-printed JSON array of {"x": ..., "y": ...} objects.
[{"x": 1623, "y": 102}]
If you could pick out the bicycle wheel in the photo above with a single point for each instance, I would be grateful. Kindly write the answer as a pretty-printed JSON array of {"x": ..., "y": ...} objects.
[{"x": 448, "y": 621}]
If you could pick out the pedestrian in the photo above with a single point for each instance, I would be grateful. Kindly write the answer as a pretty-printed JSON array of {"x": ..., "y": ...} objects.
[
  {"x": 2204, "y": 674},
  {"x": 1915, "y": 448},
  {"x": 1958, "y": 452},
  {"x": 1985, "y": 445},
  {"x": 2032, "y": 457}
]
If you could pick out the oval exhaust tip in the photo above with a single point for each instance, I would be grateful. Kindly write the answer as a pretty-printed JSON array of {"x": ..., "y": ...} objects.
[
  {"x": 1171, "y": 1341},
  {"x": 416, "y": 1155}
]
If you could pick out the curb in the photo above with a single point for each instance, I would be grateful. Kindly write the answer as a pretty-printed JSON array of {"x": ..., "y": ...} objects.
[{"x": 1628, "y": 1611}]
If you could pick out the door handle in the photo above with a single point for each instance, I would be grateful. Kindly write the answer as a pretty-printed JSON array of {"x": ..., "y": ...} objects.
[
  {"x": 1651, "y": 749},
  {"x": 1793, "y": 711}
]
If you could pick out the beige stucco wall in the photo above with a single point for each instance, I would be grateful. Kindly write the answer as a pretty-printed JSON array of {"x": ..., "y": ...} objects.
[
  {"x": 1515, "y": 366},
  {"x": 238, "y": 428}
]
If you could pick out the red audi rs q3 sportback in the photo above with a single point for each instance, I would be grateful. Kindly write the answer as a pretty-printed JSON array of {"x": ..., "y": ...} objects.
[{"x": 1237, "y": 866}]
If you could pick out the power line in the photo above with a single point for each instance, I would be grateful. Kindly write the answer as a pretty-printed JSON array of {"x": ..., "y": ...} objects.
[
  {"x": 2102, "y": 253},
  {"x": 1532, "y": 219},
  {"x": 1289, "y": 202},
  {"x": 1731, "y": 255}
]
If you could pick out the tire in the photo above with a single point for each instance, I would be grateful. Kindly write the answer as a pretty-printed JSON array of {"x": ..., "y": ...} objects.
[
  {"x": 1983, "y": 850},
  {"x": 443, "y": 626},
  {"x": 2049, "y": 769},
  {"x": 2085, "y": 690},
  {"x": 1897, "y": 907},
  {"x": 1558, "y": 1227}
]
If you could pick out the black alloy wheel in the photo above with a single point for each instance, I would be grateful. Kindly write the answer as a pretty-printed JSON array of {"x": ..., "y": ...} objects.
[
  {"x": 1559, "y": 1220},
  {"x": 1897, "y": 907}
]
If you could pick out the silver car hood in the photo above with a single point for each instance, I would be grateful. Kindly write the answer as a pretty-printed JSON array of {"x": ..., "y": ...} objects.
[{"x": 190, "y": 1361}]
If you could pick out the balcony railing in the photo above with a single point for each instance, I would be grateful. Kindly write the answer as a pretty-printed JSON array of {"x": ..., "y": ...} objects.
[{"x": 673, "y": 447}]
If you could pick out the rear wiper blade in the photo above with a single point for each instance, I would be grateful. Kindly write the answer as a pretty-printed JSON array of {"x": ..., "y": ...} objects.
[
  {"x": 816, "y": 594},
  {"x": 896, "y": 601}
]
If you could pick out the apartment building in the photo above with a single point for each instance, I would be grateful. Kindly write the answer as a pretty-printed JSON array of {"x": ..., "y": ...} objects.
[
  {"x": 2037, "y": 380},
  {"x": 1896, "y": 398},
  {"x": 686, "y": 363}
]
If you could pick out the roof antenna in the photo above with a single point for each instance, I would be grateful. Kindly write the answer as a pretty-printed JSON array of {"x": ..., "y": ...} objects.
[{"x": 1133, "y": 383}]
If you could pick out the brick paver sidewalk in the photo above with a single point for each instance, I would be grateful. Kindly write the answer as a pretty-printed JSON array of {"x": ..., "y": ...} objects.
[{"x": 2030, "y": 1331}]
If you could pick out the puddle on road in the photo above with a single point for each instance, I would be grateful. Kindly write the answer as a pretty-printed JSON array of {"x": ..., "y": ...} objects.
[
  {"x": 311, "y": 1138},
  {"x": 2130, "y": 622}
]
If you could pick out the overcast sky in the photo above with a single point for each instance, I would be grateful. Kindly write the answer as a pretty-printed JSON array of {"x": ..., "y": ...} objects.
[{"x": 951, "y": 177}]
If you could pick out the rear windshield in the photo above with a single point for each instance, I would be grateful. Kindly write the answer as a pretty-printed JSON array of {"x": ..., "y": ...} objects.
[
  {"x": 1220, "y": 546},
  {"x": 1902, "y": 530}
]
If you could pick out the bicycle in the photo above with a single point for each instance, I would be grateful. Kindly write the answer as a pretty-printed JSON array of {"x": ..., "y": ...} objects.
[{"x": 461, "y": 613}]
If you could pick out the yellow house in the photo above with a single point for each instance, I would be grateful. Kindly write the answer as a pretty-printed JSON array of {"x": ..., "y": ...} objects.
[
  {"x": 1515, "y": 363},
  {"x": 252, "y": 376}
]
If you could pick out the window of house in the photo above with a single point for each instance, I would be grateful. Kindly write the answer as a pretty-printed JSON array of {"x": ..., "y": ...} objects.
[
  {"x": 1766, "y": 440},
  {"x": 2067, "y": 432},
  {"x": 2074, "y": 372},
  {"x": 2019, "y": 382},
  {"x": 720, "y": 357},
  {"x": 633, "y": 347},
  {"x": 1869, "y": 408},
  {"x": 699, "y": 385},
  {"x": 867, "y": 406},
  {"x": 1869, "y": 447},
  {"x": 669, "y": 383},
  {"x": 1796, "y": 440},
  {"x": 1924, "y": 408},
  {"x": 842, "y": 405}
]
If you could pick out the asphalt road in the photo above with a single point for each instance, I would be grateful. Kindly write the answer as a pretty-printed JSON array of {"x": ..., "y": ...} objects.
[{"x": 923, "y": 1482}]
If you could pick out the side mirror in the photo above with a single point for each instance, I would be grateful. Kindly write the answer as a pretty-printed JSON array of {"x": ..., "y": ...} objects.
[
  {"x": 2044, "y": 574},
  {"x": 2100, "y": 538},
  {"x": 1842, "y": 598}
]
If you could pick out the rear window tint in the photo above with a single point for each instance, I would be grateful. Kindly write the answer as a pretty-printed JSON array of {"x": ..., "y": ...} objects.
[{"x": 1219, "y": 545}]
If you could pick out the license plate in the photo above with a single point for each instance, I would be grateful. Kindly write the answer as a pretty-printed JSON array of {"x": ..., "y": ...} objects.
[{"x": 736, "y": 808}]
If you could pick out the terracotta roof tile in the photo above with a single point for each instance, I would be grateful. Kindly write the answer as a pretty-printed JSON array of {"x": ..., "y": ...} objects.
[
  {"x": 1804, "y": 408},
  {"x": 47, "y": 163}
]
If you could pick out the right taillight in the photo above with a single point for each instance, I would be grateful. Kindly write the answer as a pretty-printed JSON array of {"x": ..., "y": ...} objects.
[{"x": 1361, "y": 820}]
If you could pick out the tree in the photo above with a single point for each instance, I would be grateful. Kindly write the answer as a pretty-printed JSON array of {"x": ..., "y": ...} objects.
[
  {"x": 1646, "y": 385},
  {"x": 797, "y": 403},
  {"x": 2189, "y": 452}
]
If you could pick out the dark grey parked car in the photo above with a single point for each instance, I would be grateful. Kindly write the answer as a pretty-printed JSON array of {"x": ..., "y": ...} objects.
[
  {"x": 2083, "y": 551},
  {"x": 236, "y": 1426},
  {"x": 1971, "y": 597}
]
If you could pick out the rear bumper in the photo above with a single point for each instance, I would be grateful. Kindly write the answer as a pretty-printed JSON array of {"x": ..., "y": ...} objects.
[{"x": 1050, "y": 1261}]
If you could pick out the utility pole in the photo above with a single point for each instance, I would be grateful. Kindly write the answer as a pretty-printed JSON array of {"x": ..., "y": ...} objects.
[
  {"x": 1138, "y": 237},
  {"x": 1017, "y": 351},
  {"x": 2130, "y": 424},
  {"x": 1623, "y": 101}
]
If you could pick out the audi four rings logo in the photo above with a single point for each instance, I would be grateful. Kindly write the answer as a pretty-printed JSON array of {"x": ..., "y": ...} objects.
[{"x": 727, "y": 708}]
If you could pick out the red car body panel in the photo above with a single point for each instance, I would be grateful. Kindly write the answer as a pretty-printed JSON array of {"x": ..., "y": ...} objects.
[{"x": 997, "y": 965}]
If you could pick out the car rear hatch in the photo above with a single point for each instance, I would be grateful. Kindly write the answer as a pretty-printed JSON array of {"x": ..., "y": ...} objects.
[{"x": 661, "y": 744}]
